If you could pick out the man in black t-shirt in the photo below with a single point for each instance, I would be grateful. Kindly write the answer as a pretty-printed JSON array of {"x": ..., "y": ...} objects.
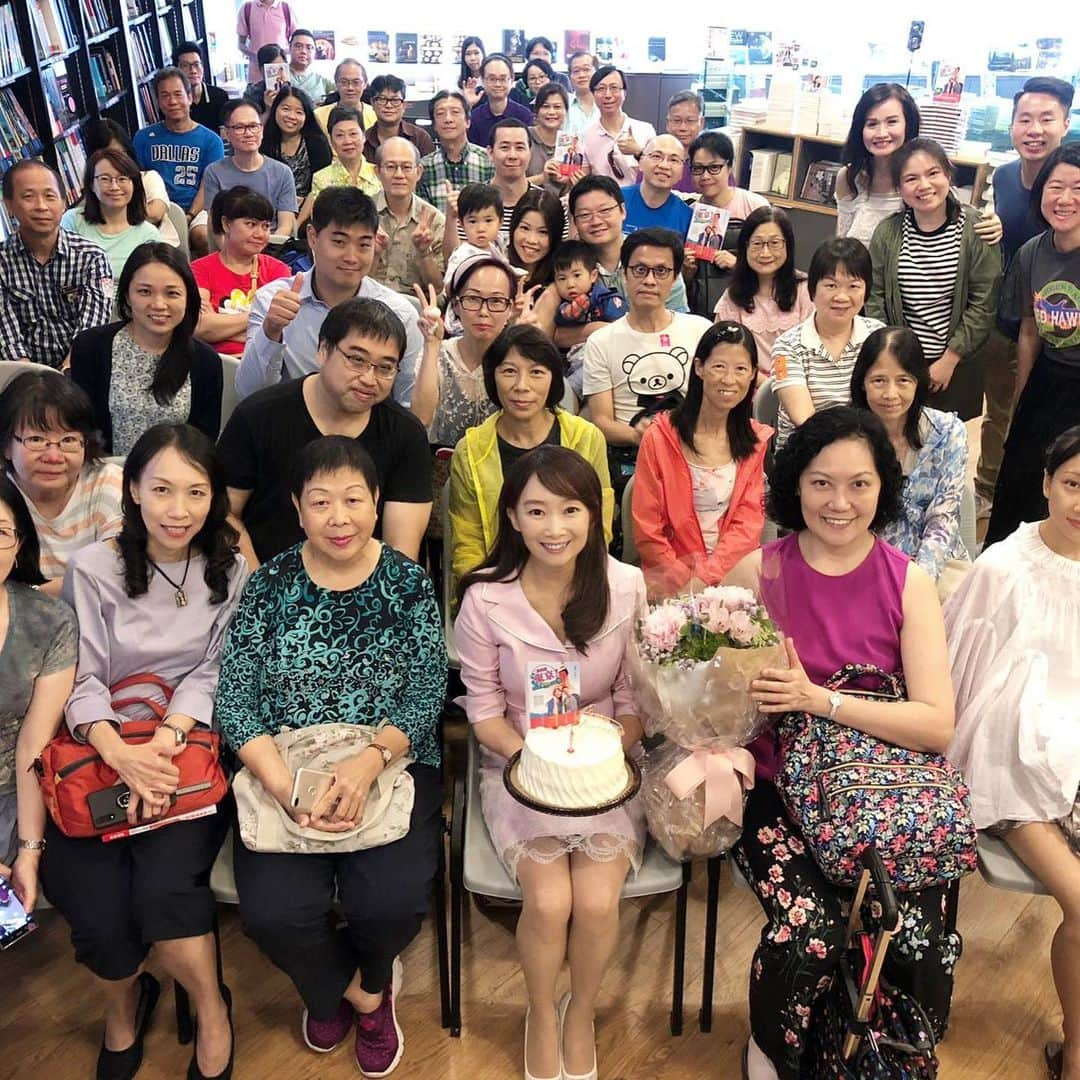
[
  {"x": 361, "y": 344},
  {"x": 206, "y": 101}
]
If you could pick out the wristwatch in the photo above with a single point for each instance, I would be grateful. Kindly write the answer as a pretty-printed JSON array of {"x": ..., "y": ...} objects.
[
  {"x": 31, "y": 845},
  {"x": 836, "y": 699},
  {"x": 179, "y": 733},
  {"x": 387, "y": 753}
]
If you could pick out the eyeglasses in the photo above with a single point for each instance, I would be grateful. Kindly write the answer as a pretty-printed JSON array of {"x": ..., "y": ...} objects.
[
  {"x": 38, "y": 444},
  {"x": 641, "y": 271},
  {"x": 388, "y": 102},
  {"x": 615, "y": 166},
  {"x": 670, "y": 159},
  {"x": 603, "y": 89},
  {"x": 495, "y": 304},
  {"x": 9, "y": 538},
  {"x": 403, "y": 167},
  {"x": 776, "y": 243},
  {"x": 383, "y": 371},
  {"x": 497, "y": 80},
  {"x": 113, "y": 181},
  {"x": 351, "y": 84},
  {"x": 714, "y": 169},
  {"x": 190, "y": 65},
  {"x": 244, "y": 129},
  {"x": 583, "y": 217}
]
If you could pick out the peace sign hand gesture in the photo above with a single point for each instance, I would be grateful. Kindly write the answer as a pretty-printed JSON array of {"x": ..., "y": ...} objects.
[
  {"x": 423, "y": 236},
  {"x": 525, "y": 305},
  {"x": 430, "y": 319}
]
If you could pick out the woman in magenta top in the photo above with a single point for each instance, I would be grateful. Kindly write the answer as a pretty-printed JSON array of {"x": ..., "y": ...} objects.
[{"x": 840, "y": 595}]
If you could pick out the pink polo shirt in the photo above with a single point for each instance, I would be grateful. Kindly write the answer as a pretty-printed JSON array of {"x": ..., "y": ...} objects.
[{"x": 264, "y": 24}]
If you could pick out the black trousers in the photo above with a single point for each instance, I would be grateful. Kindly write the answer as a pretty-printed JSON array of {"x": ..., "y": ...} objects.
[
  {"x": 802, "y": 943},
  {"x": 121, "y": 897},
  {"x": 1048, "y": 405},
  {"x": 287, "y": 904}
]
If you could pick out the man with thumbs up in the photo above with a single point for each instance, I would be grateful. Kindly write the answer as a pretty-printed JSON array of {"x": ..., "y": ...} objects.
[
  {"x": 414, "y": 228},
  {"x": 286, "y": 315}
]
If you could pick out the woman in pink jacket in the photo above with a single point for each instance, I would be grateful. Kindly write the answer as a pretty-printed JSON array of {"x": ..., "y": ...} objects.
[{"x": 700, "y": 476}]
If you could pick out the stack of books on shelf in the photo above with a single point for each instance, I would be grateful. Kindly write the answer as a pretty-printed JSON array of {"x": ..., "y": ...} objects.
[
  {"x": 18, "y": 139},
  {"x": 142, "y": 52},
  {"x": 61, "y": 103},
  {"x": 11, "y": 56},
  {"x": 97, "y": 17},
  {"x": 53, "y": 28},
  {"x": 943, "y": 121},
  {"x": 749, "y": 113},
  {"x": 834, "y": 116},
  {"x": 71, "y": 161},
  {"x": 780, "y": 115},
  {"x": 105, "y": 72}
]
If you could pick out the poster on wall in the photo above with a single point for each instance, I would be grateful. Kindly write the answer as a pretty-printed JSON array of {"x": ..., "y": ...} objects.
[
  {"x": 514, "y": 45},
  {"x": 455, "y": 48},
  {"x": 788, "y": 54},
  {"x": 324, "y": 45},
  {"x": 718, "y": 40},
  {"x": 405, "y": 48},
  {"x": 575, "y": 41},
  {"x": 1048, "y": 56},
  {"x": 432, "y": 47},
  {"x": 759, "y": 48},
  {"x": 378, "y": 46},
  {"x": 657, "y": 50}
]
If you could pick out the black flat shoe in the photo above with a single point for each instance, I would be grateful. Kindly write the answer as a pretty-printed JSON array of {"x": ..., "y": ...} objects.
[
  {"x": 1054, "y": 1053},
  {"x": 124, "y": 1064},
  {"x": 194, "y": 1073}
]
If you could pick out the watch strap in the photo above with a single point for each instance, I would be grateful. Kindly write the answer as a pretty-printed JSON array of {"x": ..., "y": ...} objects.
[
  {"x": 31, "y": 845},
  {"x": 180, "y": 733},
  {"x": 385, "y": 751}
]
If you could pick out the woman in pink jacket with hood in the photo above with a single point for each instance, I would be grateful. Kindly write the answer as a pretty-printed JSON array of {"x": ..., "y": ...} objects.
[{"x": 700, "y": 476}]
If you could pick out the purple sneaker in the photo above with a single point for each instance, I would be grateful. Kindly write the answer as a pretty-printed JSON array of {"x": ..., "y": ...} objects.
[
  {"x": 379, "y": 1039},
  {"x": 322, "y": 1036}
]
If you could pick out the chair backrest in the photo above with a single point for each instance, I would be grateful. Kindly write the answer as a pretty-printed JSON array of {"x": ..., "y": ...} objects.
[
  {"x": 766, "y": 404},
  {"x": 175, "y": 213},
  {"x": 569, "y": 400},
  {"x": 12, "y": 369},
  {"x": 230, "y": 365},
  {"x": 967, "y": 520},
  {"x": 629, "y": 547},
  {"x": 447, "y": 575}
]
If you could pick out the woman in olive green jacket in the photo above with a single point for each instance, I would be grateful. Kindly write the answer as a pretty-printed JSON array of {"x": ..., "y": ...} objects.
[{"x": 934, "y": 275}]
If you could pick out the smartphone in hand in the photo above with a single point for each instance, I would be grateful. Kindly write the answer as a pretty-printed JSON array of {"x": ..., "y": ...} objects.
[
  {"x": 309, "y": 786},
  {"x": 14, "y": 922}
]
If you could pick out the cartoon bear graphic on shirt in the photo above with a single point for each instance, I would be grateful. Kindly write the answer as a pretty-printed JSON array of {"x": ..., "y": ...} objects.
[{"x": 656, "y": 376}]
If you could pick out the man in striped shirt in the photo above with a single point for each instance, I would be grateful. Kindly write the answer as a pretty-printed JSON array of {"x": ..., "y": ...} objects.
[{"x": 53, "y": 283}]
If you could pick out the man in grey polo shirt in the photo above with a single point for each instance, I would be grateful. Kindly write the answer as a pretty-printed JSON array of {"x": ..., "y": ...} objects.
[{"x": 283, "y": 327}]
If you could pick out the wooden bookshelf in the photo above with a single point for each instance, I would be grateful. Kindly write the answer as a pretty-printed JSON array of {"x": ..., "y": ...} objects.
[{"x": 806, "y": 150}]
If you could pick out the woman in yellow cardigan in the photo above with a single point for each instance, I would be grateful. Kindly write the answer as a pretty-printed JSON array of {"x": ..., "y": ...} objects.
[{"x": 523, "y": 375}]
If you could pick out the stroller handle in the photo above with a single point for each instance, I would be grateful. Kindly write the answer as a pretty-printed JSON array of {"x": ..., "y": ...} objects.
[{"x": 883, "y": 887}]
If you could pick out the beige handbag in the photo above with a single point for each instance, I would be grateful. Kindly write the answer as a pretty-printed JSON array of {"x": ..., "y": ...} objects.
[{"x": 265, "y": 825}]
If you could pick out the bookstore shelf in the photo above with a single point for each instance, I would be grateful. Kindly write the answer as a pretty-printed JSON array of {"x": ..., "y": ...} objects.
[
  {"x": 138, "y": 20},
  {"x": 115, "y": 99},
  {"x": 99, "y": 38},
  {"x": 15, "y": 76},
  {"x": 65, "y": 55}
]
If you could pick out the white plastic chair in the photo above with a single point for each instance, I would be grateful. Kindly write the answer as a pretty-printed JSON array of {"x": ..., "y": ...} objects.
[
  {"x": 230, "y": 365},
  {"x": 630, "y": 552},
  {"x": 1001, "y": 867},
  {"x": 175, "y": 213},
  {"x": 569, "y": 400},
  {"x": 766, "y": 404},
  {"x": 475, "y": 868},
  {"x": 12, "y": 369},
  {"x": 967, "y": 520}
]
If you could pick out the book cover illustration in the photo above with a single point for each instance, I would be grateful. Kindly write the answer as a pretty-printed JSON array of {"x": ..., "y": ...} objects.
[
  {"x": 378, "y": 46},
  {"x": 820, "y": 183},
  {"x": 406, "y": 48},
  {"x": 432, "y": 47},
  {"x": 569, "y": 153},
  {"x": 657, "y": 50},
  {"x": 575, "y": 41},
  {"x": 948, "y": 82},
  {"x": 325, "y": 48},
  {"x": 553, "y": 693},
  {"x": 514, "y": 45},
  {"x": 275, "y": 76},
  {"x": 705, "y": 236}
]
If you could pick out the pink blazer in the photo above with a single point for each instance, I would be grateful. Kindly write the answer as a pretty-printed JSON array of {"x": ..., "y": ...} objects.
[{"x": 498, "y": 632}]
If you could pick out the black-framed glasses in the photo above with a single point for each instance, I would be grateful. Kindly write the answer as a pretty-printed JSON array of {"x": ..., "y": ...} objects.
[
  {"x": 714, "y": 169},
  {"x": 641, "y": 271},
  {"x": 774, "y": 243},
  {"x": 38, "y": 444},
  {"x": 244, "y": 129},
  {"x": 495, "y": 304},
  {"x": 383, "y": 370},
  {"x": 9, "y": 537},
  {"x": 388, "y": 102},
  {"x": 583, "y": 217}
]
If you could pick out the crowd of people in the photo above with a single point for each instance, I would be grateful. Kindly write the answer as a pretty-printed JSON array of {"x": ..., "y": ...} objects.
[{"x": 412, "y": 315}]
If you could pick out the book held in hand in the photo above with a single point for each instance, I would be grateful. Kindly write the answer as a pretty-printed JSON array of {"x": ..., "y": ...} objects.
[
  {"x": 275, "y": 76},
  {"x": 705, "y": 236},
  {"x": 568, "y": 154},
  {"x": 553, "y": 693}
]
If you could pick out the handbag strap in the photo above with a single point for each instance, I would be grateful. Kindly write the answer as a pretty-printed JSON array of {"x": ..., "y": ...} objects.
[
  {"x": 141, "y": 679},
  {"x": 892, "y": 685}
]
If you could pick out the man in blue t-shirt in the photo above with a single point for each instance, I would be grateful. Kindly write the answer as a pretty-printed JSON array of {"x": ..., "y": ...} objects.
[
  {"x": 1040, "y": 120},
  {"x": 179, "y": 149},
  {"x": 651, "y": 204}
]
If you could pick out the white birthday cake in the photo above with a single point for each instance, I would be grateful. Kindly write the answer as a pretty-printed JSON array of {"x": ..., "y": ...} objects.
[{"x": 575, "y": 766}]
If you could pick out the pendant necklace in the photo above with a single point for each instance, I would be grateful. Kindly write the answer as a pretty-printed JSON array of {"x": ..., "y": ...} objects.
[{"x": 181, "y": 596}]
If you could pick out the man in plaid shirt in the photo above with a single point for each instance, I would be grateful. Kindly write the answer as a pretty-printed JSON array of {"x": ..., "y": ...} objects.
[
  {"x": 53, "y": 283},
  {"x": 454, "y": 162}
]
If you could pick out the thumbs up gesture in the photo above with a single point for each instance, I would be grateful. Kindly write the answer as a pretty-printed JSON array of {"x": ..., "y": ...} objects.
[{"x": 283, "y": 308}]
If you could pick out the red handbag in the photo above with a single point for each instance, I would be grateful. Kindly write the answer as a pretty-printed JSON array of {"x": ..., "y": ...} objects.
[{"x": 69, "y": 772}]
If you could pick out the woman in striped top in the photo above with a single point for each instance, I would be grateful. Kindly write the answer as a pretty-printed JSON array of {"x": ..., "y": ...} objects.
[
  {"x": 53, "y": 455},
  {"x": 934, "y": 275}
]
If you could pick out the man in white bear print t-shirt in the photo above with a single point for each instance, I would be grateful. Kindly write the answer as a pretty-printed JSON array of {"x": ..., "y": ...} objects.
[{"x": 638, "y": 365}]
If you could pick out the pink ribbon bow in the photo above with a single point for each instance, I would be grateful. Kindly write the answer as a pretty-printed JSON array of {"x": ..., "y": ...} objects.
[{"x": 725, "y": 774}]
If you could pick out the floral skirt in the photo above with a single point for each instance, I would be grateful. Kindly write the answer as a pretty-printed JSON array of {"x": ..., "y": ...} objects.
[{"x": 802, "y": 944}]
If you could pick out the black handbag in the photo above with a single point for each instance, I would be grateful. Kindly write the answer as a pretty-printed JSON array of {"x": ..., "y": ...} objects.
[{"x": 863, "y": 1027}]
